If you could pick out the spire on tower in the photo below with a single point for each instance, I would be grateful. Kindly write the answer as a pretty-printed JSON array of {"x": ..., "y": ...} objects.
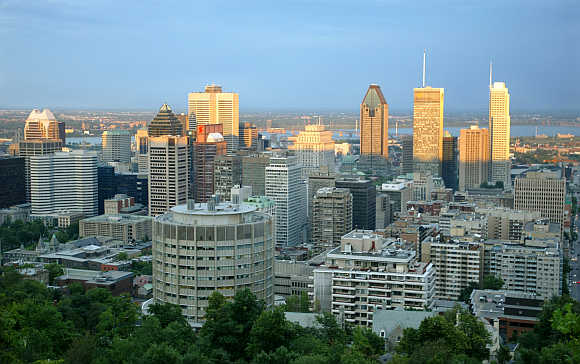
[
  {"x": 424, "y": 56},
  {"x": 490, "y": 69}
]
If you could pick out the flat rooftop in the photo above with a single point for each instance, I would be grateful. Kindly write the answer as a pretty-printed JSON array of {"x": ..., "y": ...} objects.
[{"x": 222, "y": 208}]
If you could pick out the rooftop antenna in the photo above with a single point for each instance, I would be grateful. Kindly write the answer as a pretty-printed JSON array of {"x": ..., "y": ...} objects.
[
  {"x": 490, "y": 70},
  {"x": 424, "y": 56}
]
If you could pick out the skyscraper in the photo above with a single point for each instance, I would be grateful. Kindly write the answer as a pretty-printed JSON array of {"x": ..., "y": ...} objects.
[
  {"x": 116, "y": 146},
  {"x": 209, "y": 144},
  {"x": 28, "y": 148},
  {"x": 12, "y": 188},
  {"x": 141, "y": 140},
  {"x": 284, "y": 186},
  {"x": 43, "y": 125},
  {"x": 331, "y": 216},
  {"x": 168, "y": 172},
  {"x": 165, "y": 123},
  {"x": 227, "y": 173},
  {"x": 254, "y": 172},
  {"x": 473, "y": 157},
  {"x": 249, "y": 136},
  {"x": 314, "y": 148},
  {"x": 407, "y": 145},
  {"x": 363, "y": 201},
  {"x": 449, "y": 163},
  {"x": 499, "y": 133},
  {"x": 216, "y": 107},
  {"x": 428, "y": 130},
  {"x": 374, "y": 127},
  {"x": 64, "y": 182}
]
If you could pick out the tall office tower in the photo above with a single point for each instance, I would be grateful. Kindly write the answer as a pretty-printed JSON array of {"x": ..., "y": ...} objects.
[
  {"x": 248, "y": 136},
  {"x": 165, "y": 123},
  {"x": 28, "y": 148},
  {"x": 285, "y": 187},
  {"x": 314, "y": 148},
  {"x": 428, "y": 130},
  {"x": 64, "y": 182},
  {"x": 449, "y": 163},
  {"x": 363, "y": 201},
  {"x": 168, "y": 172},
  {"x": 331, "y": 216},
  {"x": 254, "y": 172},
  {"x": 243, "y": 259},
  {"x": 317, "y": 181},
  {"x": 499, "y": 133},
  {"x": 142, "y": 143},
  {"x": 116, "y": 146},
  {"x": 473, "y": 157},
  {"x": 43, "y": 125},
  {"x": 541, "y": 191},
  {"x": 227, "y": 173},
  {"x": 12, "y": 188},
  {"x": 184, "y": 123},
  {"x": 374, "y": 124},
  {"x": 106, "y": 185},
  {"x": 216, "y": 107},
  {"x": 407, "y": 145},
  {"x": 209, "y": 144},
  {"x": 135, "y": 185}
]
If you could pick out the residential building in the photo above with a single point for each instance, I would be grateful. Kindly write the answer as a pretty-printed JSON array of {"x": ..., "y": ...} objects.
[
  {"x": 13, "y": 177},
  {"x": 449, "y": 163},
  {"x": 316, "y": 181},
  {"x": 541, "y": 191},
  {"x": 331, "y": 216},
  {"x": 314, "y": 148},
  {"x": 363, "y": 201},
  {"x": 121, "y": 227},
  {"x": 212, "y": 247},
  {"x": 473, "y": 157},
  {"x": 227, "y": 173},
  {"x": 507, "y": 224},
  {"x": 428, "y": 130},
  {"x": 165, "y": 123},
  {"x": 499, "y": 133}
]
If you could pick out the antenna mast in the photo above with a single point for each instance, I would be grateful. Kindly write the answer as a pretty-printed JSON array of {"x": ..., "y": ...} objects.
[
  {"x": 490, "y": 70},
  {"x": 424, "y": 56}
]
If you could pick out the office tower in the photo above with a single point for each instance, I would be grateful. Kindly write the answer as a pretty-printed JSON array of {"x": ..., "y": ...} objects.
[
  {"x": 28, "y": 148},
  {"x": 134, "y": 185},
  {"x": 168, "y": 172},
  {"x": 43, "y": 125},
  {"x": 541, "y": 191},
  {"x": 473, "y": 157},
  {"x": 165, "y": 123},
  {"x": 285, "y": 187},
  {"x": 331, "y": 216},
  {"x": 13, "y": 177},
  {"x": 209, "y": 144},
  {"x": 363, "y": 201},
  {"x": 142, "y": 147},
  {"x": 499, "y": 133},
  {"x": 244, "y": 257},
  {"x": 449, "y": 163},
  {"x": 457, "y": 264},
  {"x": 370, "y": 274},
  {"x": 116, "y": 146},
  {"x": 248, "y": 136},
  {"x": 106, "y": 186},
  {"x": 254, "y": 172},
  {"x": 407, "y": 146},
  {"x": 317, "y": 181},
  {"x": 384, "y": 208},
  {"x": 314, "y": 148},
  {"x": 64, "y": 182},
  {"x": 216, "y": 107},
  {"x": 374, "y": 125},
  {"x": 428, "y": 130},
  {"x": 227, "y": 173}
]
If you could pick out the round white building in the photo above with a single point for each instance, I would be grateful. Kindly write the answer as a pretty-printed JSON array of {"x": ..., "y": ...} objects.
[{"x": 199, "y": 248}]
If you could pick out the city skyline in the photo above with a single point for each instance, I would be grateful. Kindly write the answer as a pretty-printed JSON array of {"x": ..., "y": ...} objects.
[{"x": 293, "y": 50}]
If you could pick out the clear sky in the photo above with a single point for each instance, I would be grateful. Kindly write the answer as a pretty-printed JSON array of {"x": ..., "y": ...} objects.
[{"x": 296, "y": 55}]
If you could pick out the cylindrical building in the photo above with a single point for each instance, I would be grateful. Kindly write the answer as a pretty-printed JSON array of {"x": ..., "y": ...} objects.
[{"x": 202, "y": 247}]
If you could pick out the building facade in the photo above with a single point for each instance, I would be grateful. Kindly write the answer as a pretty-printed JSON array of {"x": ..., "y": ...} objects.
[
  {"x": 142, "y": 149},
  {"x": 363, "y": 201},
  {"x": 374, "y": 124},
  {"x": 499, "y": 134},
  {"x": 165, "y": 123},
  {"x": 13, "y": 177},
  {"x": 331, "y": 216},
  {"x": 227, "y": 173},
  {"x": 314, "y": 148},
  {"x": 116, "y": 146},
  {"x": 43, "y": 125},
  {"x": 449, "y": 163},
  {"x": 254, "y": 172},
  {"x": 473, "y": 157},
  {"x": 209, "y": 144},
  {"x": 428, "y": 130},
  {"x": 543, "y": 192}
]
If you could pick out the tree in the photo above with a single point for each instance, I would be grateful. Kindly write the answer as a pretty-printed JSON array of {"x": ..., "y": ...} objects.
[
  {"x": 122, "y": 256},
  {"x": 503, "y": 355},
  {"x": 167, "y": 313},
  {"x": 54, "y": 270},
  {"x": 465, "y": 293},
  {"x": 270, "y": 331},
  {"x": 492, "y": 282}
]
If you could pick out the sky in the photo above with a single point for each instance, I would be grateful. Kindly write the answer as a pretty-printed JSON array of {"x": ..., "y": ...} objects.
[{"x": 302, "y": 55}]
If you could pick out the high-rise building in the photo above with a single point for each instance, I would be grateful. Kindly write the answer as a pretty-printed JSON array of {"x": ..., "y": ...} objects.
[
  {"x": 168, "y": 172},
  {"x": 399, "y": 194},
  {"x": 64, "y": 182},
  {"x": 227, "y": 173},
  {"x": 506, "y": 224},
  {"x": 142, "y": 143},
  {"x": 285, "y": 187},
  {"x": 473, "y": 157},
  {"x": 541, "y": 191},
  {"x": 428, "y": 130},
  {"x": 209, "y": 144},
  {"x": 317, "y": 181},
  {"x": 116, "y": 146},
  {"x": 165, "y": 123},
  {"x": 28, "y": 148},
  {"x": 407, "y": 145},
  {"x": 133, "y": 184},
  {"x": 216, "y": 107},
  {"x": 384, "y": 208},
  {"x": 374, "y": 123},
  {"x": 314, "y": 148},
  {"x": 363, "y": 201},
  {"x": 248, "y": 136},
  {"x": 331, "y": 216},
  {"x": 499, "y": 133},
  {"x": 43, "y": 125},
  {"x": 12, "y": 188},
  {"x": 220, "y": 248},
  {"x": 106, "y": 185},
  {"x": 449, "y": 162},
  {"x": 254, "y": 172}
]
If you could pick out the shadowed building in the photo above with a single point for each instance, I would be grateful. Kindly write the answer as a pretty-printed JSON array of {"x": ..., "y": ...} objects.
[
  {"x": 12, "y": 188},
  {"x": 209, "y": 144},
  {"x": 363, "y": 201},
  {"x": 449, "y": 163},
  {"x": 473, "y": 157},
  {"x": 165, "y": 123}
]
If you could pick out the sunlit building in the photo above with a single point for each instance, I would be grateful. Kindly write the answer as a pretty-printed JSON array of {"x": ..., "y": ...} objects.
[
  {"x": 165, "y": 123},
  {"x": 499, "y": 133},
  {"x": 374, "y": 127},
  {"x": 142, "y": 150},
  {"x": 314, "y": 148},
  {"x": 43, "y": 125},
  {"x": 116, "y": 146},
  {"x": 428, "y": 130}
]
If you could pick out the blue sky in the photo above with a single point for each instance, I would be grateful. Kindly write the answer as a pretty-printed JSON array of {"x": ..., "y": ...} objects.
[{"x": 312, "y": 55}]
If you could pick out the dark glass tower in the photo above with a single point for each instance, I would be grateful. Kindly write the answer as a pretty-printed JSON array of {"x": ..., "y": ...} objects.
[
  {"x": 12, "y": 188},
  {"x": 165, "y": 123},
  {"x": 106, "y": 183},
  {"x": 364, "y": 203},
  {"x": 449, "y": 162}
]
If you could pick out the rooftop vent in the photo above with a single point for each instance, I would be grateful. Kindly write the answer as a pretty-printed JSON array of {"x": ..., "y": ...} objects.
[{"x": 191, "y": 204}]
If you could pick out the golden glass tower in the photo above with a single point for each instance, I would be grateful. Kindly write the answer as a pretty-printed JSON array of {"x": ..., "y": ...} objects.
[
  {"x": 499, "y": 133},
  {"x": 428, "y": 130},
  {"x": 374, "y": 123},
  {"x": 216, "y": 107},
  {"x": 473, "y": 157}
]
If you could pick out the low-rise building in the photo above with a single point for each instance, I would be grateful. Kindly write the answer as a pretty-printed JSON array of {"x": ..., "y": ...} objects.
[
  {"x": 125, "y": 228},
  {"x": 115, "y": 281}
]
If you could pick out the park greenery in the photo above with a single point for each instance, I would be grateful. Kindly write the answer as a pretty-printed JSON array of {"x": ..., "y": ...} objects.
[
  {"x": 13, "y": 234},
  {"x": 41, "y": 325}
]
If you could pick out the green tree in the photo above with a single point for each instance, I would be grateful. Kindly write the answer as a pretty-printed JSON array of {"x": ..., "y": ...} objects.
[
  {"x": 503, "y": 355},
  {"x": 492, "y": 282},
  {"x": 465, "y": 293},
  {"x": 54, "y": 270},
  {"x": 270, "y": 331},
  {"x": 122, "y": 256}
]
